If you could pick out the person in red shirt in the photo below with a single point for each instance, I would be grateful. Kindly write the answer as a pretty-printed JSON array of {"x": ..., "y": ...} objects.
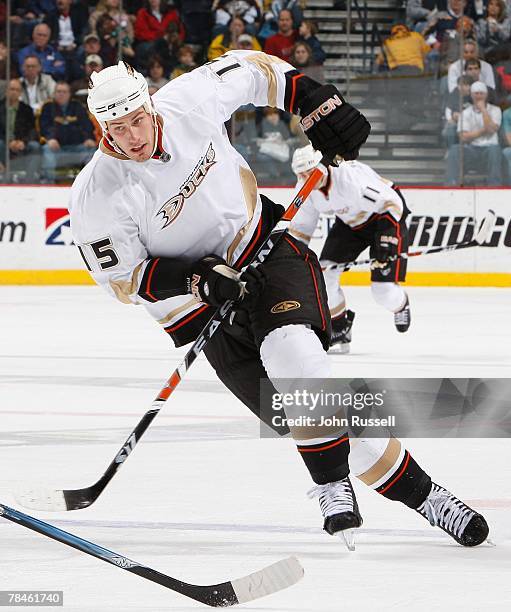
[
  {"x": 281, "y": 44},
  {"x": 152, "y": 21},
  {"x": 151, "y": 25}
]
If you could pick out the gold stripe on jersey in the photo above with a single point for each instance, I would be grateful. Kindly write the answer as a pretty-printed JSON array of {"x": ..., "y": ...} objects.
[
  {"x": 264, "y": 63},
  {"x": 300, "y": 235},
  {"x": 249, "y": 186},
  {"x": 394, "y": 209},
  {"x": 384, "y": 464},
  {"x": 177, "y": 311},
  {"x": 123, "y": 289}
]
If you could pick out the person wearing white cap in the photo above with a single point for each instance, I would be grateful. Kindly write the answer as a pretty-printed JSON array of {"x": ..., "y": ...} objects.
[{"x": 478, "y": 127}]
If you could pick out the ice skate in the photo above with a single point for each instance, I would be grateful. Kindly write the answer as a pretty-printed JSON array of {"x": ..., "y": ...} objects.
[
  {"x": 442, "y": 509},
  {"x": 340, "y": 509},
  {"x": 341, "y": 333},
  {"x": 403, "y": 317}
]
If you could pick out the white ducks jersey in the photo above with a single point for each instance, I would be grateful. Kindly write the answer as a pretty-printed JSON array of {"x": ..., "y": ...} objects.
[
  {"x": 197, "y": 196},
  {"x": 354, "y": 193}
]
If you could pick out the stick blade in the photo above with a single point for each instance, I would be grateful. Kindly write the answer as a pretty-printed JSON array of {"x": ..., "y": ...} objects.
[
  {"x": 486, "y": 227},
  {"x": 271, "y": 579},
  {"x": 41, "y": 498}
]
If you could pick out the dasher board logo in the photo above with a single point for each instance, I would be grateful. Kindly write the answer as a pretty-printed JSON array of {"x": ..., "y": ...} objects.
[
  {"x": 285, "y": 306},
  {"x": 58, "y": 227}
]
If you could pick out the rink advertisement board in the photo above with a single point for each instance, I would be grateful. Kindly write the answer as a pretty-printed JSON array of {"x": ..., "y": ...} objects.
[{"x": 37, "y": 246}]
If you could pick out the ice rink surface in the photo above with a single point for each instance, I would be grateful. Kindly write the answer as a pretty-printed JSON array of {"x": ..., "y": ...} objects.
[{"x": 202, "y": 498}]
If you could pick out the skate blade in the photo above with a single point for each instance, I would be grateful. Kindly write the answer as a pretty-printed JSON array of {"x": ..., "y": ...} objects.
[
  {"x": 339, "y": 349},
  {"x": 348, "y": 537},
  {"x": 490, "y": 542}
]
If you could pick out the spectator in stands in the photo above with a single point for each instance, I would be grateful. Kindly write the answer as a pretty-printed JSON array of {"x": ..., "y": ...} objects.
[
  {"x": 22, "y": 20},
  {"x": 80, "y": 87},
  {"x": 478, "y": 128},
  {"x": 470, "y": 51},
  {"x": 302, "y": 59},
  {"x": 307, "y": 31},
  {"x": 156, "y": 78},
  {"x": 67, "y": 24},
  {"x": 111, "y": 37},
  {"x": 3, "y": 67},
  {"x": 246, "y": 42},
  {"x": 152, "y": 21},
  {"x": 229, "y": 40},
  {"x": 66, "y": 131},
  {"x": 294, "y": 6},
  {"x": 404, "y": 53},
  {"x": 23, "y": 147},
  {"x": 197, "y": 19},
  {"x": 503, "y": 75},
  {"x": 225, "y": 10},
  {"x": 506, "y": 128},
  {"x": 457, "y": 101},
  {"x": 281, "y": 44},
  {"x": 472, "y": 68},
  {"x": 449, "y": 49},
  {"x": 495, "y": 29},
  {"x": 121, "y": 19},
  {"x": 37, "y": 87},
  {"x": 186, "y": 62},
  {"x": 444, "y": 23},
  {"x": 420, "y": 12},
  {"x": 151, "y": 24},
  {"x": 40, "y": 8},
  {"x": 167, "y": 48},
  {"x": 51, "y": 60}
]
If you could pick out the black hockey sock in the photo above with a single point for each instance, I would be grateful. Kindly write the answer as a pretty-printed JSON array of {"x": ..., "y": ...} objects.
[
  {"x": 408, "y": 483},
  {"x": 327, "y": 461}
]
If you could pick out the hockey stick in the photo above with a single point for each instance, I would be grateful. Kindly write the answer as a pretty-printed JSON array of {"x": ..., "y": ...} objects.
[
  {"x": 480, "y": 238},
  {"x": 269, "y": 580},
  {"x": 43, "y": 498}
]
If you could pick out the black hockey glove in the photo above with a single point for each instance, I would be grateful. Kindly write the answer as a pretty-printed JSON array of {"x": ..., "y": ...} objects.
[
  {"x": 214, "y": 282},
  {"x": 333, "y": 126},
  {"x": 386, "y": 245}
]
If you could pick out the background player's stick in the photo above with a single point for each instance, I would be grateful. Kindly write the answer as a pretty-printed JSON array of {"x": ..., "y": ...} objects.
[
  {"x": 269, "y": 580},
  {"x": 480, "y": 238},
  {"x": 44, "y": 498}
]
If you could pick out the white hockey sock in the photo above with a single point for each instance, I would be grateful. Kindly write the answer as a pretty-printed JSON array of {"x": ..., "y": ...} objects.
[{"x": 389, "y": 295}]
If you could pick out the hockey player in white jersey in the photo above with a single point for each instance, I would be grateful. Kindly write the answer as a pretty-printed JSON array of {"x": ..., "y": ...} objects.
[
  {"x": 167, "y": 214},
  {"x": 369, "y": 212}
]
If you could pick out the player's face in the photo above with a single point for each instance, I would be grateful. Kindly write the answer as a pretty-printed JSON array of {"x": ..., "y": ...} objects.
[
  {"x": 134, "y": 134},
  {"x": 303, "y": 176}
]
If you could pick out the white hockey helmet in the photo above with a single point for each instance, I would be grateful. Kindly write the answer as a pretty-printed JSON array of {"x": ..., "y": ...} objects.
[
  {"x": 117, "y": 91},
  {"x": 305, "y": 159}
]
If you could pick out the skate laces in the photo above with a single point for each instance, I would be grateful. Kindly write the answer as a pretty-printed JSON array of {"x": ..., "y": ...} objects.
[
  {"x": 334, "y": 497},
  {"x": 403, "y": 316},
  {"x": 443, "y": 509}
]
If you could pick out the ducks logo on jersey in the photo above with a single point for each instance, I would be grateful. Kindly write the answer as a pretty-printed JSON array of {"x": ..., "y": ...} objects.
[{"x": 172, "y": 207}]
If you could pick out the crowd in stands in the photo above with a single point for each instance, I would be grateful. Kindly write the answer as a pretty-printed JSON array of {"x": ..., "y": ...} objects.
[
  {"x": 57, "y": 44},
  {"x": 464, "y": 46}
]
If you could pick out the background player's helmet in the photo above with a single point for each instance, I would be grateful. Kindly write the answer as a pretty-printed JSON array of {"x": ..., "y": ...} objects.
[
  {"x": 305, "y": 159},
  {"x": 117, "y": 91}
]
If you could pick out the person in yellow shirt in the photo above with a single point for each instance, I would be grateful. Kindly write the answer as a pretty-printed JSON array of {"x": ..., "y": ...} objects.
[
  {"x": 404, "y": 48},
  {"x": 404, "y": 53},
  {"x": 229, "y": 41}
]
